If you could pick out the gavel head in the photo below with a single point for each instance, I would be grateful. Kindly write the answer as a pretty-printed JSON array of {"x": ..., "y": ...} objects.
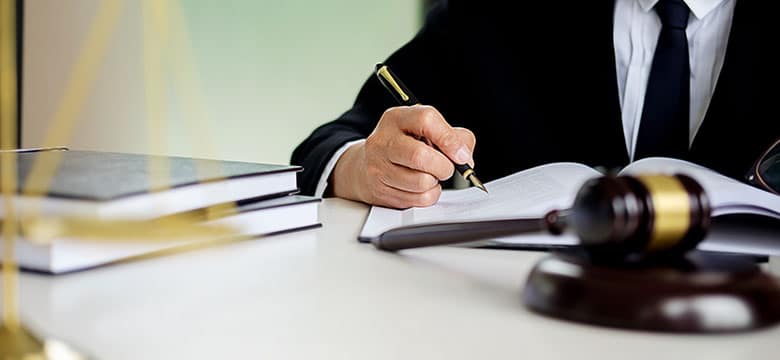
[{"x": 625, "y": 217}]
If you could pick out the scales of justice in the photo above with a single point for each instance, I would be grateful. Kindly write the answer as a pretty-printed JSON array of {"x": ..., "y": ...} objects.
[{"x": 165, "y": 42}]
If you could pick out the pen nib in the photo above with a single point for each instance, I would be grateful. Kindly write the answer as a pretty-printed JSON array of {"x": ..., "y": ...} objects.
[{"x": 477, "y": 183}]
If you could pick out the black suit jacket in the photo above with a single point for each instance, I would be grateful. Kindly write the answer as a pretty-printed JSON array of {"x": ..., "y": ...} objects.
[{"x": 539, "y": 85}]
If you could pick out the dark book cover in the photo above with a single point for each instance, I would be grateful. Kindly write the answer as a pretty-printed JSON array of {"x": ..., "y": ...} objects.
[{"x": 104, "y": 176}]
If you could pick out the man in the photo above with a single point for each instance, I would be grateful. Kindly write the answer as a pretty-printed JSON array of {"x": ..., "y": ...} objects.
[{"x": 600, "y": 82}]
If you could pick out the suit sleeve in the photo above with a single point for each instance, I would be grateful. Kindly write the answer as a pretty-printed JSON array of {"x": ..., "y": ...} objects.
[{"x": 417, "y": 63}]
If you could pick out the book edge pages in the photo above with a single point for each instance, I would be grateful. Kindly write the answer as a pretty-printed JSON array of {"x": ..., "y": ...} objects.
[
  {"x": 49, "y": 259},
  {"x": 152, "y": 205}
]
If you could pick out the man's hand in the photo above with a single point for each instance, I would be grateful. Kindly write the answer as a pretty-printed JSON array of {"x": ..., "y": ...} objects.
[{"x": 395, "y": 169}]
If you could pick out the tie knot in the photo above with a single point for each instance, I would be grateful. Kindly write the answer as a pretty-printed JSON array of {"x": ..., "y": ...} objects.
[{"x": 673, "y": 13}]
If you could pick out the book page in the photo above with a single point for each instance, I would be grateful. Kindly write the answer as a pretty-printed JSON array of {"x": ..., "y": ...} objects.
[
  {"x": 529, "y": 193},
  {"x": 727, "y": 195},
  {"x": 534, "y": 192}
]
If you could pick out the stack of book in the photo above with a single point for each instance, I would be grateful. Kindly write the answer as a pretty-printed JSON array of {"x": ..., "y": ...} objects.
[{"x": 250, "y": 199}]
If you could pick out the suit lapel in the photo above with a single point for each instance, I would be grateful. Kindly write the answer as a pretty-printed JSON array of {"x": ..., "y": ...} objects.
[
  {"x": 734, "y": 131},
  {"x": 734, "y": 91}
]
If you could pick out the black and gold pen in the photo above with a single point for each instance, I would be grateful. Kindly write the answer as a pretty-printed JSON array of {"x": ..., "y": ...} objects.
[{"x": 405, "y": 97}]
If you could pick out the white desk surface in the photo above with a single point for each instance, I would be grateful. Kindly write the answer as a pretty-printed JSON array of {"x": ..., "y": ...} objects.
[{"x": 319, "y": 294}]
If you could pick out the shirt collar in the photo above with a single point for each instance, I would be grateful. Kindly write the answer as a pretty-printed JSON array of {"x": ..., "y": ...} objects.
[{"x": 699, "y": 8}]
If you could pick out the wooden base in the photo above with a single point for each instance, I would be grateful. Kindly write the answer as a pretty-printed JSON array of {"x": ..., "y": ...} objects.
[{"x": 704, "y": 293}]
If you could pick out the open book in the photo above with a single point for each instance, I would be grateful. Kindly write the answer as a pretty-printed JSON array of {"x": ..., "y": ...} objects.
[{"x": 534, "y": 192}]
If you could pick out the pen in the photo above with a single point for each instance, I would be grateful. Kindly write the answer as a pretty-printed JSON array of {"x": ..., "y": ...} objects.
[{"x": 405, "y": 97}]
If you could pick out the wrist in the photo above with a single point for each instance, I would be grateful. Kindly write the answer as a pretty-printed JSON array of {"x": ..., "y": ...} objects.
[{"x": 346, "y": 178}]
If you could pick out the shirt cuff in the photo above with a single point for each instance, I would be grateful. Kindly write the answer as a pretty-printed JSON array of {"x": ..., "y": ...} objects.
[{"x": 323, "y": 183}]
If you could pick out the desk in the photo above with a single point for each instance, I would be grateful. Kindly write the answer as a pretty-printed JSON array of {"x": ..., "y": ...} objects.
[{"x": 320, "y": 295}]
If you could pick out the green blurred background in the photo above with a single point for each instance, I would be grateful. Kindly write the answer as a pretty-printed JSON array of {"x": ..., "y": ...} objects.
[{"x": 269, "y": 72}]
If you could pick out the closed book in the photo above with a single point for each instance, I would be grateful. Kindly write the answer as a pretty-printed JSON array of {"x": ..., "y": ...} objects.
[
  {"x": 248, "y": 220},
  {"x": 106, "y": 185},
  {"x": 271, "y": 216}
]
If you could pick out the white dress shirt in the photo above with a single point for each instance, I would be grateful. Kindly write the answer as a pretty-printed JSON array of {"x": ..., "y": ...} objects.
[{"x": 635, "y": 34}]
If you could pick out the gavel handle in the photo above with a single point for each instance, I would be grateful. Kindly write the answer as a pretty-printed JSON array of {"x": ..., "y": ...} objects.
[{"x": 408, "y": 237}]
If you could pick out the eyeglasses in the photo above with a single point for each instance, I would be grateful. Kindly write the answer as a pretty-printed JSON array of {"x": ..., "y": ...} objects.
[{"x": 765, "y": 173}]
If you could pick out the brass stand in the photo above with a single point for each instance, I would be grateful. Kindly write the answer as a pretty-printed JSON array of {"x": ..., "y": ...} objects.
[
  {"x": 16, "y": 343},
  {"x": 702, "y": 293}
]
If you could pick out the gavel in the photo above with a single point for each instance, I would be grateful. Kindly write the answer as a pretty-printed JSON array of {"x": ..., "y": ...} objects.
[{"x": 614, "y": 217}]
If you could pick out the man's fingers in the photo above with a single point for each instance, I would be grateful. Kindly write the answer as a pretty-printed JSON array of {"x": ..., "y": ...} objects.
[
  {"x": 415, "y": 155},
  {"x": 405, "y": 179},
  {"x": 427, "y": 122},
  {"x": 390, "y": 197}
]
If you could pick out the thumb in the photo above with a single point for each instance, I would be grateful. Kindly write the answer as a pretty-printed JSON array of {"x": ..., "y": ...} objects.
[
  {"x": 467, "y": 138},
  {"x": 428, "y": 122}
]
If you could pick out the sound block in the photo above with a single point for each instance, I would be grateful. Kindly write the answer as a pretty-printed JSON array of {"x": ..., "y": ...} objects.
[{"x": 702, "y": 293}]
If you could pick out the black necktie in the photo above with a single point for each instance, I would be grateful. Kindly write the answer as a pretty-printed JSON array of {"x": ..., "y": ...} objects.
[{"x": 663, "y": 130}]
